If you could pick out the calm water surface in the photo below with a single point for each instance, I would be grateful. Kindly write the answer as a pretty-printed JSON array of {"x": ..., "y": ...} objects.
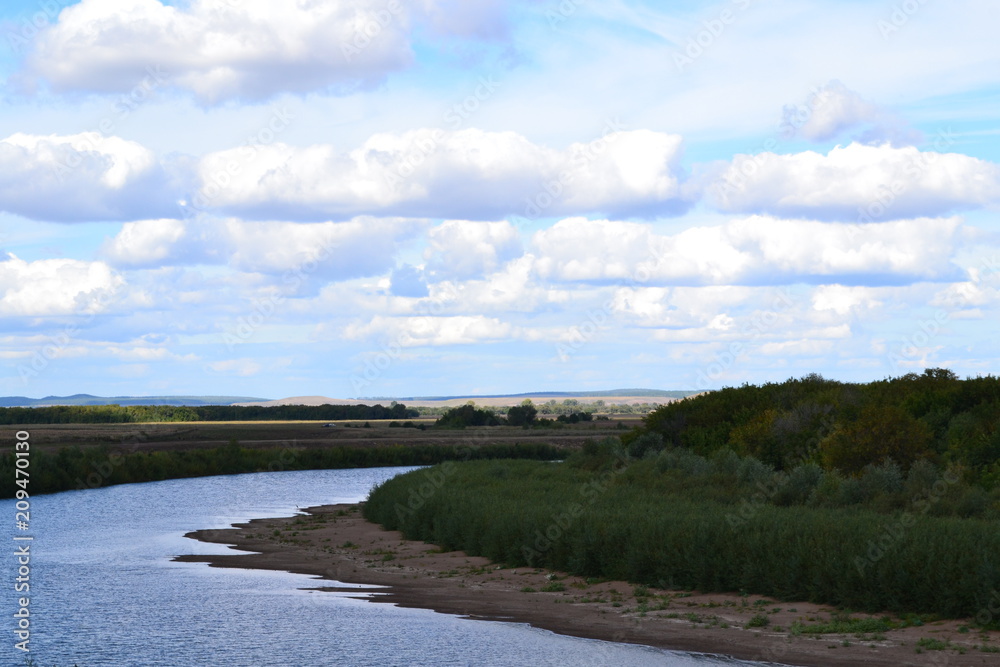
[{"x": 105, "y": 592}]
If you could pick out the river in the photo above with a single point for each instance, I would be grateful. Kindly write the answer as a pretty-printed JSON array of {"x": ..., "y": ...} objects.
[{"x": 105, "y": 592}]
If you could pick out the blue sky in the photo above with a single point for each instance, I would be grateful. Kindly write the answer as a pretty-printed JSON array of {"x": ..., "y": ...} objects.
[{"x": 385, "y": 198}]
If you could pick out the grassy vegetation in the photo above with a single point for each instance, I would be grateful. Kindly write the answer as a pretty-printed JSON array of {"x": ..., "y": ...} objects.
[
  {"x": 673, "y": 519},
  {"x": 135, "y": 414},
  {"x": 91, "y": 467}
]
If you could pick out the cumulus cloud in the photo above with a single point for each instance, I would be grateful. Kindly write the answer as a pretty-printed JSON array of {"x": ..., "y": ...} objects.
[
  {"x": 514, "y": 288},
  {"x": 331, "y": 250},
  {"x": 834, "y": 110},
  {"x": 433, "y": 331},
  {"x": 471, "y": 174},
  {"x": 463, "y": 249},
  {"x": 843, "y": 299},
  {"x": 754, "y": 250},
  {"x": 856, "y": 183},
  {"x": 81, "y": 177},
  {"x": 55, "y": 287},
  {"x": 250, "y": 49}
]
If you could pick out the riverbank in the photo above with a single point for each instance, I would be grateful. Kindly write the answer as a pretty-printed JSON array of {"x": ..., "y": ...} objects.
[{"x": 335, "y": 542}]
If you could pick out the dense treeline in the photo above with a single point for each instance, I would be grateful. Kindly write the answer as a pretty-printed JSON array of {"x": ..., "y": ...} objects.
[
  {"x": 933, "y": 416},
  {"x": 674, "y": 519},
  {"x": 524, "y": 415},
  {"x": 565, "y": 407},
  {"x": 124, "y": 414},
  {"x": 82, "y": 468}
]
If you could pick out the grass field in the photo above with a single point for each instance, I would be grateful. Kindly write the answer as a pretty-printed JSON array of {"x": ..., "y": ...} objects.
[
  {"x": 304, "y": 434},
  {"x": 77, "y": 456}
]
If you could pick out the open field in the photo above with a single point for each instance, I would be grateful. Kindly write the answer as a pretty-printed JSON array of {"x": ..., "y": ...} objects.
[{"x": 177, "y": 436}]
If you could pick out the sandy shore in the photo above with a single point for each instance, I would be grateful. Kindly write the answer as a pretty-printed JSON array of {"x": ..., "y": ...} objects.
[{"x": 336, "y": 543}]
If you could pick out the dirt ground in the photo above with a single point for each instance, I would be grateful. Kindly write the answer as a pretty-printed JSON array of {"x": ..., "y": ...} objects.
[{"x": 336, "y": 543}]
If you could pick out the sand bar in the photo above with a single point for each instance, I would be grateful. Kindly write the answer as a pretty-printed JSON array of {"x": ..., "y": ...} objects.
[{"x": 335, "y": 542}]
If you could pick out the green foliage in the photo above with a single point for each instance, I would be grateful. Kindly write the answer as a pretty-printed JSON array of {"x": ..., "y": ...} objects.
[
  {"x": 521, "y": 415},
  {"x": 879, "y": 433},
  {"x": 666, "y": 529},
  {"x": 468, "y": 415},
  {"x": 934, "y": 416},
  {"x": 647, "y": 443},
  {"x": 75, "y": 468}
]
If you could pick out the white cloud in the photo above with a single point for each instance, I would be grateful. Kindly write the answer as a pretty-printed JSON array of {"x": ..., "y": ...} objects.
[
  {"x": 468, "y": 173},
  {"x": 434, "y": 331},
  {"x": 463, "y": 249},
  {"x": 330, "y": 250},
  {"x": 842, "y": 299},
  {"x": 514, "y": 288},
  {"x": 833, "y": 110},
  {"x": 55, "y": 287},
  {"x": 250, "y": 49},
  {"x": 147, "y": 242},
  {"x": 78, "y": 177},
  {"x": 857, "y": 183},
  {"x": 754, "y": 250}
]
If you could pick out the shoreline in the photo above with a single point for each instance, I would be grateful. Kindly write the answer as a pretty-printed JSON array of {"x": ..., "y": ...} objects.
[{"x": 335, "y": 542}]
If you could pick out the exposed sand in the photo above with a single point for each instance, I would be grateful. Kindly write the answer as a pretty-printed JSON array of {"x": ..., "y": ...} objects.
[{"x": 336, "y": 543}]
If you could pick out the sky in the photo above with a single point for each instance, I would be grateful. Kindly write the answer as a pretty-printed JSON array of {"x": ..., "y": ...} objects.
[{"x": 361, "y": 198}]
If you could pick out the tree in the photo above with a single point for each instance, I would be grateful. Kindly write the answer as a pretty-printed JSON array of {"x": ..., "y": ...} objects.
[
  {"x": 521, "y": 415},
  {"x": 880, "y": 432}
]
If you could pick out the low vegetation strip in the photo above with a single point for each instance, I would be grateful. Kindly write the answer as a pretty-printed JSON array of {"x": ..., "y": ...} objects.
[
  {"x": 133, "y": 414},
  {"x": 82, "y": 468},
  {"x": 614, "y": 517}
]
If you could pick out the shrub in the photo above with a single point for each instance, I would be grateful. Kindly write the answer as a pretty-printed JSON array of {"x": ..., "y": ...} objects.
[
  {"x": 799, "y": 485},
  {"x": 883, "y": 479},
  {"x": 645, "y": 444},
  {"x": 752, "y": 472}
]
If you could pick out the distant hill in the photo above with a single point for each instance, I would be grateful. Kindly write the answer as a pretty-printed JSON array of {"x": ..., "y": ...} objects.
[
  {"x": 615, "y": 396},
  {"x": 620, "y": 396},
  {"x": 613, "y": 393},
  {"x": 88, "y": 399}
]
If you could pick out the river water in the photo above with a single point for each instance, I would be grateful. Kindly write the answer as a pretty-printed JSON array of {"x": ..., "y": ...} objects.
[{"x": 104, "y": 591}]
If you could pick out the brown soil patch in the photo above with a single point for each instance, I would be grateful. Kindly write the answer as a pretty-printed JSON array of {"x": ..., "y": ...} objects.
[{"x": 335, "y": 542}]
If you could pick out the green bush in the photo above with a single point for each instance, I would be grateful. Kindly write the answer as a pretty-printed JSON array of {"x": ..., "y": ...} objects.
[{"x": 643, "y": 526}]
